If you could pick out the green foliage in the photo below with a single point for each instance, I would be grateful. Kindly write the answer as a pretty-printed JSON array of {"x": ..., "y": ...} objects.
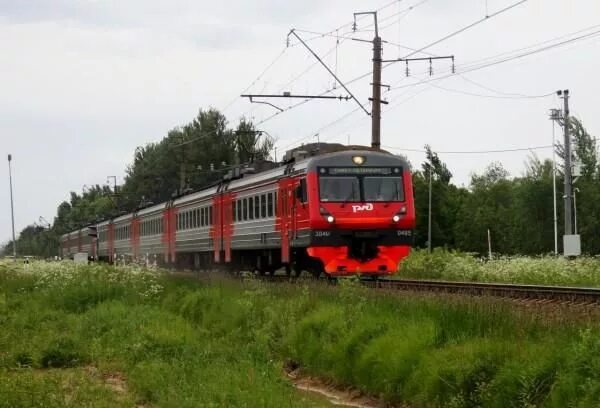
[
  {"x": 192, "y": 344},
  {"x": 191, "y": 156},
  {"x": 458, "y": 266}
]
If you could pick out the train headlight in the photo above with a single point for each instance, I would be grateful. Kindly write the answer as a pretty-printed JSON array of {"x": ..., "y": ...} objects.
[
  {"x": 330, "y": 219},
  {"x": 396, "y": 218},
  {"x": 358, "y": 160}
]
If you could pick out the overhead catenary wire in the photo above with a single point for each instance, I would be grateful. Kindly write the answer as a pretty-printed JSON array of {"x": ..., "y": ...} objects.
[
  {"x": 471, "y": 67},
  {"x": 358, "y": 78},
  {"x": 490, "y": 151},
  {"x": 462, "y": 92},
  {"x": 269, "y": 66}
]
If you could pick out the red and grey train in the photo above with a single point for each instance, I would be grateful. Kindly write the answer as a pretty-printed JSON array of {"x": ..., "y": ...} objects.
[{"x": 340, "y": 213}]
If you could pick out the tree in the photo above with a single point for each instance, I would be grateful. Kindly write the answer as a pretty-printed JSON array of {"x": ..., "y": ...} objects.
[
  {"x": 446, "y": 199},
  {"x": 490, "y": 205}
]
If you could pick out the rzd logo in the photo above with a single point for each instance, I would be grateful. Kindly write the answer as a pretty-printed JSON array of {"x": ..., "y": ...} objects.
[{"x": 366, "y": 207}]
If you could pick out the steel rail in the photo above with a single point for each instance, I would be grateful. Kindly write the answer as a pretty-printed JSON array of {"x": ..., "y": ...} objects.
[{"x": 506, "y": 290}]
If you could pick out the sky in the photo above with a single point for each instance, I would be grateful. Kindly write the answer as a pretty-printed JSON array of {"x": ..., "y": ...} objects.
[{"x": 84, "y": 82}]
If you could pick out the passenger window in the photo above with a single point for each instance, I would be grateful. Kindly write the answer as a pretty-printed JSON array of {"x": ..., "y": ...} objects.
[
  {"x": 263, "y": 206},
  {"x": 251, "y": 208},
  {"x": 245, "y": 209},
  {"x": 270, "y": 204},
  {"x": 239, "y": 210},
  {"x": 257, "y": 207},
  {"x": 233, "y": 212},
  {"x": 210, "y": 215}
]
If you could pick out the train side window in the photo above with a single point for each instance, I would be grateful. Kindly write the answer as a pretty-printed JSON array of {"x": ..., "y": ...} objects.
[
  {"x": 251, "y": 208},
  {"x": 202, "y": 223},
  {"x": 245, "y": 209},
  {"x": 199, "y": 216},
  {"x": 210, "y": 215},
  {"x": 233, "y": 212},
  {"x": 194, "y": 219},
  {"x": 239, "y": 210},
  {"x": 257, "y": 207},
  {"x": 270, "y": 204},
  {"x": 263, "y": 206}
]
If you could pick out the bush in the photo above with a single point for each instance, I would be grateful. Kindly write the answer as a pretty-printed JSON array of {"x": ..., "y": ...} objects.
[
  {"x": 457, "y": 266},
  {"x": 61, "y": 352}
]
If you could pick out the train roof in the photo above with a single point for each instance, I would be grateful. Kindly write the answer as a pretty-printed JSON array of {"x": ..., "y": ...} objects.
[{"x": 345, "y": 158}]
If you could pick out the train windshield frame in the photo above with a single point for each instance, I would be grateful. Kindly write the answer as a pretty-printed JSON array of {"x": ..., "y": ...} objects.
[{"x": 361, "y": 184}]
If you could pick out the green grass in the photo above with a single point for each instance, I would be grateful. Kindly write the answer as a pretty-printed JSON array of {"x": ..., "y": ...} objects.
[
  {"x": 67, "y": 330},
  {"x": 457, "y": 266}
]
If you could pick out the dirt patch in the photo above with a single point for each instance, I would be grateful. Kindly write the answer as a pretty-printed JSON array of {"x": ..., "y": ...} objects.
[
  {"x": 337, "y": 395},
  {"x": 114, "y": 380}
]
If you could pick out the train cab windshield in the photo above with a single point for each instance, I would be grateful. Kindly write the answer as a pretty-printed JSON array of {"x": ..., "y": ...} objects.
[
  {"x": 383, "y": 189},
  {"x": 340, "y": 186}
]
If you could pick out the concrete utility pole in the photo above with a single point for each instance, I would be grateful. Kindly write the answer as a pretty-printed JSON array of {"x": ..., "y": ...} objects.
[
  {"x": 12, "y": 210},
  {"x": 554, "y": 190},
  {"x": 376, "y": 103},
  {"x": 568, "y": 176}
]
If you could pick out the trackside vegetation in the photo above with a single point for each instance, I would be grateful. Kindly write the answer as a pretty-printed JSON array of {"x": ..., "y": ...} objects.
[
  {"x": 104, "y": 336},
  {"x": 459, "y": 266}
]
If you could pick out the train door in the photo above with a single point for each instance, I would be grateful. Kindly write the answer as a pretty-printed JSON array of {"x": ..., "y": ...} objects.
[{"x": 287, "y": 216}]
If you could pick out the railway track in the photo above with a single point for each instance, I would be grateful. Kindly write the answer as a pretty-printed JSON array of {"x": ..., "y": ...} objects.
[
  {"x": 504, "y": 290},
  {"x": 538, "y": 293}
]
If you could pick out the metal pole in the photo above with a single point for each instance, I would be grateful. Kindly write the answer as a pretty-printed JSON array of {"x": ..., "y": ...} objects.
[
  {"x": 429, "y": 209},
  {"x": 554, "y": 188},
  {"x": 376, "y": 102},
  {"x": 568, "y": 177},
  {"x": 489, "y": 244},
  {"x": 575, "y": 207},
  {"x": 12, "y": 210}
]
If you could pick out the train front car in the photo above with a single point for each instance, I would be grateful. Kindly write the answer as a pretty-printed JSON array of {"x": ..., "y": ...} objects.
[{"x": 362, "y": 212}]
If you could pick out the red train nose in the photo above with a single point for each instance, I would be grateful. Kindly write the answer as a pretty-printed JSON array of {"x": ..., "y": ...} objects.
[{"x": 339, "y": 260}]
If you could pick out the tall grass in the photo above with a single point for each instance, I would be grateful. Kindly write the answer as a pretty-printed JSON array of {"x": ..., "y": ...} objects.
[
  {"x": 183, "y": 343},
  {"x": 457, "y": 266}
]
